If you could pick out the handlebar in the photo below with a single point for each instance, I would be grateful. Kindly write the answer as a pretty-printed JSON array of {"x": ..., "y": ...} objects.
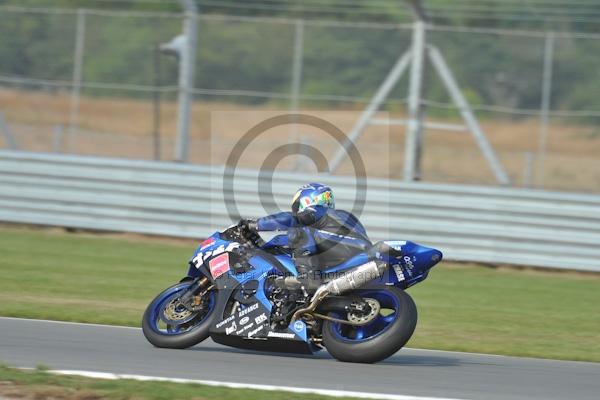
[{"x": 246, "y": 238}]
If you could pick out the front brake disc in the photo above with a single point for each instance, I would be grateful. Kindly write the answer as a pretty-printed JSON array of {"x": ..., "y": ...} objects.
[{"x": 175, "y": 313}]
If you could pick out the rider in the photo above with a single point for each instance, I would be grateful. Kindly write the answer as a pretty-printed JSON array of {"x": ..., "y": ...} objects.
[{"x": 319, "y": 235}]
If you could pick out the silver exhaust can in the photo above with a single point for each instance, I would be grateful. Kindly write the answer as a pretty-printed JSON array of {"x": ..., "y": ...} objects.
[{"x": 356, "y": 277}]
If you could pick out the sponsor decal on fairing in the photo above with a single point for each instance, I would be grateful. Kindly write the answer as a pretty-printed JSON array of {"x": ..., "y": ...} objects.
[
  {"x": 219, "y": 265},
  {"x": 260, "y": 319},
  {"x": 409, "y": 265},
  {"x": 225, "y": 321},
  {"x": 202, "y": 256},
  {"x": 248, "y": 310},
  {"x": 282, "y": 335},
  {"x": 395, "y": 244},
  {"x": 399, "y": 274},
  {"x": 298, "y": 326},
  {"x": 255, "y": 331},
  {"x": 244, "y": 329},
  {"x": 230, "y": 329}
]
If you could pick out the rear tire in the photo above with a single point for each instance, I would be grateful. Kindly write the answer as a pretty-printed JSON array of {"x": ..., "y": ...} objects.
[
  {"x": 196, "y": 332},
  {"x": 379, "y": 345}
]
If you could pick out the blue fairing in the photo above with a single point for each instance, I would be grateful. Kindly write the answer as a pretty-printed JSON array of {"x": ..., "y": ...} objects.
[
  {"x": 281, "y": 241},
  {"x": 288, "y": 263},
  {"x": 411, "y": 267},
  {"x": 261, "y": 269},
  {"x": 209, "y": 244}
]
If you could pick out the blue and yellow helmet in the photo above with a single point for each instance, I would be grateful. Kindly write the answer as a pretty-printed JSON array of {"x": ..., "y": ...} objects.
[{"x": 312, "y": 194}]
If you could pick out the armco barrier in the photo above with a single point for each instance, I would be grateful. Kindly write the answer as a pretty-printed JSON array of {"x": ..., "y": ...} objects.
[{"x": 468, "y": 223}]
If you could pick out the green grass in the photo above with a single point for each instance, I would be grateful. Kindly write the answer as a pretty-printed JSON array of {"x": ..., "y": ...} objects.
[
  {"x": 71, "y": 277},
  {"x": 43, "y": 385},
  {"x": 75, "y": 277},
  {"x": 510, "y": 312}
]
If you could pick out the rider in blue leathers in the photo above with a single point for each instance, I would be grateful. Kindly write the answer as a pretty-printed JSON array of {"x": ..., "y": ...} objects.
[{"x": 319, "y": 235}]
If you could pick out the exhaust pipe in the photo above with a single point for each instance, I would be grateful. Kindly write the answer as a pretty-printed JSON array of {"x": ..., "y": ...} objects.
[
  {"x": 356, "y": 277},
  {"x": 352, "y": 279}
]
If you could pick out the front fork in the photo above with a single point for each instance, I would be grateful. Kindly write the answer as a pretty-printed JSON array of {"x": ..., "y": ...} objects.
[{"x": 192, "y": 298}]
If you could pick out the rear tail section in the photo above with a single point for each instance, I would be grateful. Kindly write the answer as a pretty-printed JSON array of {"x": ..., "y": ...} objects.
[{"x": 409, "y": 262}]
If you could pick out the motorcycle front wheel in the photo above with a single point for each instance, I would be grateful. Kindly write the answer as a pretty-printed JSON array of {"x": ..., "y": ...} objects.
[
  {"x": 383, "y": 336},
  {"x": 168, "y": 323}
]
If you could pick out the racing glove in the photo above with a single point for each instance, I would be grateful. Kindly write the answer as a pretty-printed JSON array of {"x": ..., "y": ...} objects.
[
  {"x": 249, "y": 230},
  {"x": 248, "y": 225}
]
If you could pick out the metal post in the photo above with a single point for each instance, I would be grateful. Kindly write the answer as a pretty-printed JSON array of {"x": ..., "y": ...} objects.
[
  {"x": 77, "y": 76},
  {"x": 414, "y": 131},
  {"x": 7, "y": 133},
  {"x": 545, "y": 105},
  {"x": 187, "y": 63},
  {"x": 438, "y": 62},
  {"x": 296, "y": 82},
  {"x": 297, "y": 65},
  {"x": 528, "y": 169},
  {"x": 57, "y": 138},
  {"x": 156, "y": 103},
  {"x": 368, "y": 113}
]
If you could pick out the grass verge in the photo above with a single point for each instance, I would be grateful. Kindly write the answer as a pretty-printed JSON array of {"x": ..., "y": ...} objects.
[
  {"x": 39, "y": 384},
  {"x": 90, "y": 278}
]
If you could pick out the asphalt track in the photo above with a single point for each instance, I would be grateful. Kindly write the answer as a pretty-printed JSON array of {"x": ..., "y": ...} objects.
[{"x": 411, "y": 372}]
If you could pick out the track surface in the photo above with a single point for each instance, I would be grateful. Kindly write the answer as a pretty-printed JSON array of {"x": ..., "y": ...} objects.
[{"x": 27, "y": 343}]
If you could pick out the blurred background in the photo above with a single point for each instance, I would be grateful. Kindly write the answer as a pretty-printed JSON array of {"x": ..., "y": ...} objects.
[
  {"x": 90, "y": 78},
  {"x": 477, "y": 122}
]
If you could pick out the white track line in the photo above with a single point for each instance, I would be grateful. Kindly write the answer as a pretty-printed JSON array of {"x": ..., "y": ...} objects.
[{"x": 235, "y": 385}]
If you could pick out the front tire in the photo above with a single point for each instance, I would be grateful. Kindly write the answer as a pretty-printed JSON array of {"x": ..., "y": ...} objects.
[
  {"x": 168, "y": 324},
  {"x": 378, "y": 339}
]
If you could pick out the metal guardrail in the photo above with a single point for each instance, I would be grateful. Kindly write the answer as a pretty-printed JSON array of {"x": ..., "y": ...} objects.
[{"x": 468, "y": 223}]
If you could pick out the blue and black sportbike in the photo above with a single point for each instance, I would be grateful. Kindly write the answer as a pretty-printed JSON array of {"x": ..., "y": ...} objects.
[{"x": 361, "y": 312}]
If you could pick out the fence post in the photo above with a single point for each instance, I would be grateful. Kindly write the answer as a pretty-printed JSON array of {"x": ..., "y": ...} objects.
[
  {"x": 156, "y": 103},
  {"x": 9, "y": 138},
  {"x": 298, "y": 56},
  {"x": 414, "y": 131},
  {"x": 57, "y": 138},
  {"x": 545, "y": 105},
  {"x": 297, "y": 65},
  {"x": 187, "y": 64},
  {"x": 77, "y": 76},
  {"x": 528, "y": 169}
]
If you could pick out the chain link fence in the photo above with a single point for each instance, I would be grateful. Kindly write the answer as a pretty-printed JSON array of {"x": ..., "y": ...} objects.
[{"x": 94, "y": 82}]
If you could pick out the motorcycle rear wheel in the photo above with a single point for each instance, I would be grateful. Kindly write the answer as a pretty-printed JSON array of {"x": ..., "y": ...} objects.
[
  {"x": 166, "y": 323},
  {"x": 378, "y": 339}
]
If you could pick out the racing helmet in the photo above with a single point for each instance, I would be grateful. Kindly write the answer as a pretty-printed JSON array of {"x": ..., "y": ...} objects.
[{"x": 312, "y": 194}]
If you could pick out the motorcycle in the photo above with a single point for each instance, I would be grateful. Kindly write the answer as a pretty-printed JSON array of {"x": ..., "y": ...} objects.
[{"x": 254, "y": 299}]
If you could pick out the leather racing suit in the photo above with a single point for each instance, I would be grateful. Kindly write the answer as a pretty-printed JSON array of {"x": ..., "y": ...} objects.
[{"x": 320, "y": 237}]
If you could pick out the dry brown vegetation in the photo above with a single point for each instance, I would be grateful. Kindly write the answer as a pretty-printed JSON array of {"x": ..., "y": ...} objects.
[{"x": 123, "y": 128}]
